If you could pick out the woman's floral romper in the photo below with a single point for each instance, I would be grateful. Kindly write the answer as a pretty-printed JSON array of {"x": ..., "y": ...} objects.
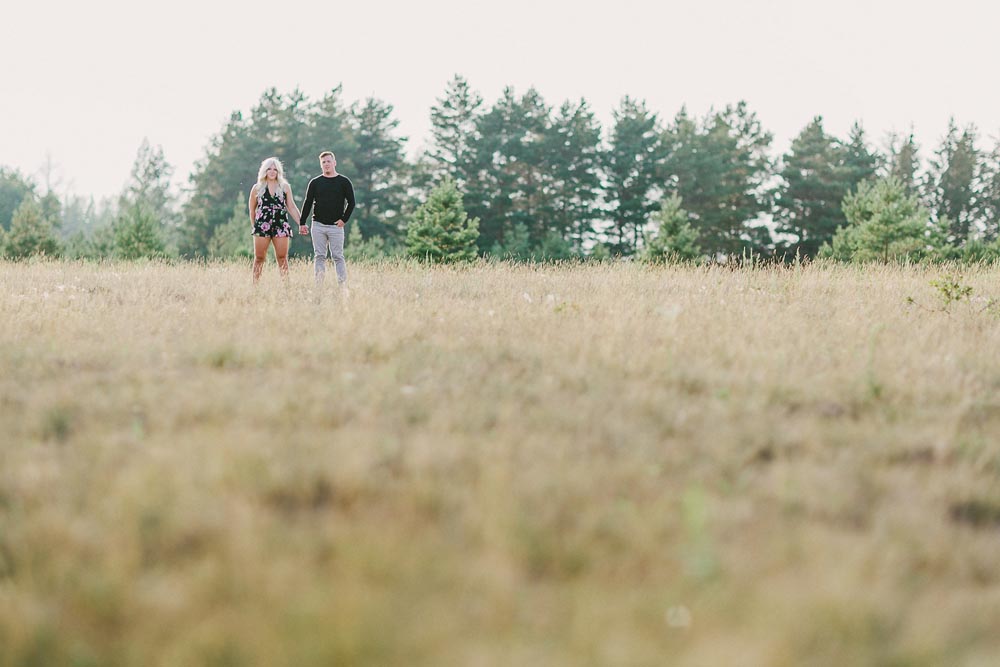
[{"x": 272, "y": 216}]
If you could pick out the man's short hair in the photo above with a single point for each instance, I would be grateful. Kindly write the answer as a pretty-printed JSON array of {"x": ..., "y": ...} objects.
[{"x": 325, "y": 153}]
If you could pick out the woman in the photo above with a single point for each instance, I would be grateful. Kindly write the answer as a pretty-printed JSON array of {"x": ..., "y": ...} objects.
[{"x": 270, "y": 203}]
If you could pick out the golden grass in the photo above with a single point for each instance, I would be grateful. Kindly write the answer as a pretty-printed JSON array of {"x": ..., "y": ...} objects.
[{"x": 497, "y": 465}]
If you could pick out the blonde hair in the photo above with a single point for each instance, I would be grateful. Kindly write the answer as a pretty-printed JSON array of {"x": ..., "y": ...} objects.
[
  {"x": 262, "y": 175},
  {"x": 325, "y": 153}
]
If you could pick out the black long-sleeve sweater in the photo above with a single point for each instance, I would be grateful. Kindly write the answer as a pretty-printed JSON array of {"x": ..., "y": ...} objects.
[{"x": 329, "y": 199}]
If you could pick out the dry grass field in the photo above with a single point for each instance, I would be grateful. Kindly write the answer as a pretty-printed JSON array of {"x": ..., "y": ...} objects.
[{"x": 498, "y": 465}]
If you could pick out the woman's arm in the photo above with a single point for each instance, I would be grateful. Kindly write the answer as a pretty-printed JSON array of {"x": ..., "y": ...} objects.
[
  {"x": 253, "y": 205},
  {"x": 293, "y": 210},
  {"x": 306, "y": 207}
]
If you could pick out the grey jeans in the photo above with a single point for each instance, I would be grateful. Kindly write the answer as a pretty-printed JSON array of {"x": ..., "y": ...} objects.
[{"x": 331, "y": 236}]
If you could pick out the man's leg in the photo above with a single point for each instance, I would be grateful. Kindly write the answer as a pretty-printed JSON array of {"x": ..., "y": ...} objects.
[
  {"x": 337, "y": 253},
  {"x": 320, "y": 242}
]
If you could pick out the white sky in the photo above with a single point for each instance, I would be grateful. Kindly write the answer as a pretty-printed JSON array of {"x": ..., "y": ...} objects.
[{"x": 85, "y": 82}]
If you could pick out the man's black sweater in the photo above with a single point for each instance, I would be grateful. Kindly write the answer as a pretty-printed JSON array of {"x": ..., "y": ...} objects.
[{"x": 329, "y": 198}]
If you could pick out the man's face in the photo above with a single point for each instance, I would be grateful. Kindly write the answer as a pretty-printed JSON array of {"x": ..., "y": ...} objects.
[{"x": 328, "y": 163}]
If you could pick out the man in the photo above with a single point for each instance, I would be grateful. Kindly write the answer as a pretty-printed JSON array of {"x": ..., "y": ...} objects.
[{"x": 330, "y": 199}]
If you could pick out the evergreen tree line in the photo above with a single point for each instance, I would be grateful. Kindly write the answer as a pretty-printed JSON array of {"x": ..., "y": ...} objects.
[{"x": 537, "y": 181}]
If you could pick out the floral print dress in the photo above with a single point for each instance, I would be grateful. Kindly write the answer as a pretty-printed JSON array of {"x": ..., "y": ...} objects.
[{"x": 271, "y": 219}]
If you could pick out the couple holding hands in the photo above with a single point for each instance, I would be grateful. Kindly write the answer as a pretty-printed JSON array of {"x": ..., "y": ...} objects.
[{"x": 330, "y": 199}]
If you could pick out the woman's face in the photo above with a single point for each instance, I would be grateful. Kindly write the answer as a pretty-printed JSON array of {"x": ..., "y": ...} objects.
[{"x": 272, "y": 172}]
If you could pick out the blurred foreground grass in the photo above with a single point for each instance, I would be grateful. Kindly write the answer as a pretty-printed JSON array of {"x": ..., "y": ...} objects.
[{"x": 498, "y": 465}]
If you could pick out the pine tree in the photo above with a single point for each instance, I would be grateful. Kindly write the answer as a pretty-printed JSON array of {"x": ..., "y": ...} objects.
[
  {"x": 14, "y": 189},
  {"x": 218, "y": 178},
  {"x": 904, "y": 160},
  {"x": 379, "y": 185},
  {"x": 138, "y": 233},
  {"x": 329, "y": 128},
  {"x": 530, "y": 158},
  {"x": 460, "y": 150},
  {"x": 953, "y": 182},
  {"x": 857, "y": 160},
  {"x": 453, "y": 132},
  {"x": 675, "y": 238},
  {"x": 634, "y": 172},
  {"x": 990, "y": 194},
  {"x": 441, "y": 231},
  {"x": 277, "y": 125},
  {"x": 490, "y": 196},
  {"x": 150, "y": 181},
  {"x": 228, "y": 170},
  {"x": 554, "y": 248},
  {"x": 145, "y": 220},
  {"x": 93, "y": 246},
  {"x": 575, "y": 156},
  {"x": 52, "y": 209},
  {"x": 601, "y": 252},
  {"x": 233, "y": 239},
  {"x": 512, "y": 160},
  {"x": 721, "y": 169},
  {"x": 809, "y": 206},
  {"x": 85, "y": 228},
  {"x": 516, "y": 244},
  {"x": 358, "y": 247},
  {"x": 294, "y": 150},
  {"x": 30, "y": 233},
  {"x": 79, "y": 215},
  {"x": 883, "y": 223}
]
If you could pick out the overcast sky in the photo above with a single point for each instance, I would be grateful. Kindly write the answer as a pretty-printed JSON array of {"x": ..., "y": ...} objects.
[{"x": 85, "y": 82}]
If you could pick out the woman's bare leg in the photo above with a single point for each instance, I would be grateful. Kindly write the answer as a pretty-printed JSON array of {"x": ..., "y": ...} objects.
[
  {"x": 260, "y": 244},
  {"x": 281, "y": 254}
]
